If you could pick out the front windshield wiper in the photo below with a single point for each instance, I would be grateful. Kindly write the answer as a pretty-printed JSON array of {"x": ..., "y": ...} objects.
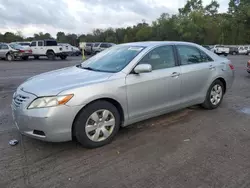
[
  {"x": 89, "y": 68},
  {"x": 93, "y": 69}
]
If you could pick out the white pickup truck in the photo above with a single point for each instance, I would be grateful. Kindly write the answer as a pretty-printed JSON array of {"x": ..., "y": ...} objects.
[
  {"x": 220, "y": 50},
  {"x": 50, "y": 49}
]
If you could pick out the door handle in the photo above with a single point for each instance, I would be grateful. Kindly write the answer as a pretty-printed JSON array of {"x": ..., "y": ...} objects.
[
  {"x": 175, "y": 74},
  {"x": 211, "y": 67}
]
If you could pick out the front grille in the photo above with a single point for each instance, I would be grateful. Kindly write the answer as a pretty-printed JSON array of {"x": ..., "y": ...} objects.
[{"x": 19, "y": 99}]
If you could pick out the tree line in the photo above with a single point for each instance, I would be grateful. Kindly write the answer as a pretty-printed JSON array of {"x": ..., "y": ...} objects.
[{"x": 194, "y": 23}]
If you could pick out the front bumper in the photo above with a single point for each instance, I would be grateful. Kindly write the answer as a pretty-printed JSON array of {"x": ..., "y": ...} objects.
[
  {"x": 52, "y": 124},
  {"x": 20, "y": 55}
]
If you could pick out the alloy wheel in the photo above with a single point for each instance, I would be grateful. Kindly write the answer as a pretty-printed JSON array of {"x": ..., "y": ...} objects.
[
  {"x": 100, "y": 125},
  {"x": 216, "y": 94}
]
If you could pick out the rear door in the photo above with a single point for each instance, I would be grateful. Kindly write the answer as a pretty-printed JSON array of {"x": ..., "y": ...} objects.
[
  {"x": 3, "y": 50},
  {"x": 197, "y": 72}
]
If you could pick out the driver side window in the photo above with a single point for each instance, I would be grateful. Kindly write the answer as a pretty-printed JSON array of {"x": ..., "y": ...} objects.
[{"x": 160, "y": 58}]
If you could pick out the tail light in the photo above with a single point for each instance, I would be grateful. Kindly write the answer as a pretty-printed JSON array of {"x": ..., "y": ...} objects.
[
  {"x": 21, "y": 51},
  {"x": 30, "y": 51},
  {"x": 231, "y": 66},
  {"x": 248, "y": 63}
]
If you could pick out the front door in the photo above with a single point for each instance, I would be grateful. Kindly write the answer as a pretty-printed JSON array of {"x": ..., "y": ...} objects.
[
  {"x": 156, "y": 91},
  {"x": 34, "y": 47},
  {"x": 196, "y": 70}
]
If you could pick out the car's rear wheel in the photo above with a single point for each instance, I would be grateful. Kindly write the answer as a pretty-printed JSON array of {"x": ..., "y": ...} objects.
[
  {"x": 215, "y": 95},
  {"x": 97, "y": 124},
  {"x": 9, "y": 57},
  {"x": 51, "y": 55}
]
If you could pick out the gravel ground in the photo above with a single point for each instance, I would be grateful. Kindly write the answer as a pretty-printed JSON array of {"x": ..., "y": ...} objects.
[{"x": 189, "y": 148}]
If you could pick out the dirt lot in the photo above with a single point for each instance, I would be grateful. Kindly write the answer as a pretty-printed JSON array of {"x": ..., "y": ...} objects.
[{"x": 190, "y": 148}]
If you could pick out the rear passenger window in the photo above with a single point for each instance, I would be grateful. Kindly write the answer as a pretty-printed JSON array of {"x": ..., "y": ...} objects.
[
  {"x": 4, "y": 47},
  {"x": 191, "y": 55},
  {"x": 205, "y": 57},
  {"x": 40, "y": 43}
]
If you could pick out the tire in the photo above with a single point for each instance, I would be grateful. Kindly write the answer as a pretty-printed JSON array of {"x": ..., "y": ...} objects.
[
  {"x": 90, "y": 139},
  {"x": 63, "y": 57},
  {"x": 51, "y": 55},
  {"x": 9, "y": 57},
  {"x": 25, "y": 58},
  {"x": 225, "y": 55},
  {"x": 208, "y": 101},
  {"x": 234, "y": 53},
  {"x": 36, "y": 57}
]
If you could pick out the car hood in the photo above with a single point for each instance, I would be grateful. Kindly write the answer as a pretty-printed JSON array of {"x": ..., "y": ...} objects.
[{"x": 54, "y": 82}]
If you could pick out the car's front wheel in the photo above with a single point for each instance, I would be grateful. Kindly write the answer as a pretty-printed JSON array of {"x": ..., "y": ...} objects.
[
  {"x": 97, "y": 124},
  {"x": 215, "y": 95},
  {"x": 9, "y": 57}
]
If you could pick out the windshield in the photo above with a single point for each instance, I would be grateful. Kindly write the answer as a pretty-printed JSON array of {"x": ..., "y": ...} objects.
[
  {"x": 113, "y": 59},
  {"x": 16, "y": 46},
  {"x": 96, "y": 44}
]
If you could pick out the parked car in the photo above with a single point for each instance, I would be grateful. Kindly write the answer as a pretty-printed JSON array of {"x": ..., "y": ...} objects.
[
  {"x": 242, "y": 50},
  {"x": 118, "y": 87},
  {"x": 233, "y": 50},
  {"x": 76, "y": 51},
  {"x": 12, "y": 52},
  {"x": 220, "y": 50},
  {"x": 98, "y": 47},
  {"x": 49, "y": 48},
  {"x": 88, "y": 48},
  {"x": 248, "y": 66}
]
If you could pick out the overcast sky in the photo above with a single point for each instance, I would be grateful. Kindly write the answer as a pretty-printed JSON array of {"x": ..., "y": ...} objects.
[{"x": 82, "y": 16}]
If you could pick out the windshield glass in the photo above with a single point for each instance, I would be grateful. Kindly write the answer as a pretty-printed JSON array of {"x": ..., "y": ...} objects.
[
  {"x": 16, "y": 46},
  {"x": 113, "y": 59}
]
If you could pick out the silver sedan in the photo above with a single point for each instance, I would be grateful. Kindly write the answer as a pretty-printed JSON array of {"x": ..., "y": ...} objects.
[{"x": 122, "y": 85}]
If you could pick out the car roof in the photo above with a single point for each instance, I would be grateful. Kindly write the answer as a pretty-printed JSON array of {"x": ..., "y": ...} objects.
[{"x": 156, "y": 43}]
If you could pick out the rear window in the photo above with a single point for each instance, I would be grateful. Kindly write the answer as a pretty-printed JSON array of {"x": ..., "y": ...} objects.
[
  {"x": 88, "y": 44},
  {"x": 51, "y": 43},
  {"x": 96, "y": 44}
]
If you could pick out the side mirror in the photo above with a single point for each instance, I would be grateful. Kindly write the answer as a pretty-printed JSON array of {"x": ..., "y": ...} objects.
[{"x": 143, "y": 68}]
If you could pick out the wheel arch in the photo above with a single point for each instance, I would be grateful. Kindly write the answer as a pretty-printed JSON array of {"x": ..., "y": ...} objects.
[
  {"x": 224, "y": 83},
  {"x": 110, "y": 100},
  {"x": 50, "y": 50}
]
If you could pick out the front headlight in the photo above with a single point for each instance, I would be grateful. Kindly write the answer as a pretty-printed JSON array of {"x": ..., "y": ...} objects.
[{"x": 44, "y": 102}]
